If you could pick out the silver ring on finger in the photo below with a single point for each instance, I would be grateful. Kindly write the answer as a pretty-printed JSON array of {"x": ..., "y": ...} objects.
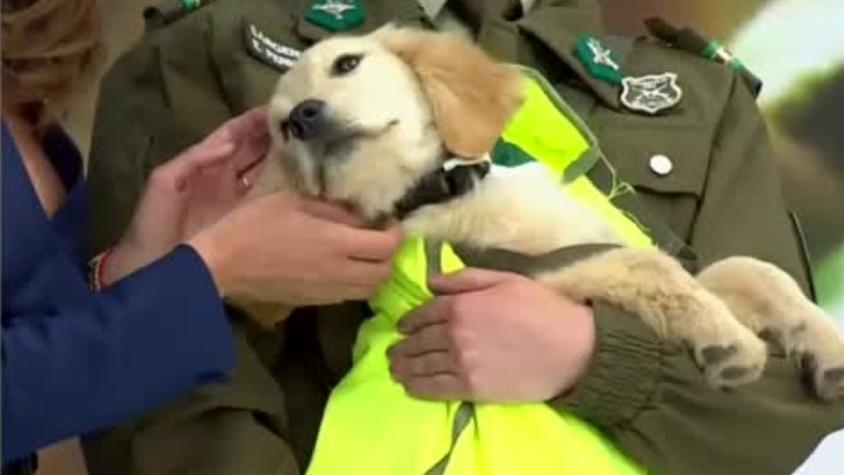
[{"x": 244, "y": 182}]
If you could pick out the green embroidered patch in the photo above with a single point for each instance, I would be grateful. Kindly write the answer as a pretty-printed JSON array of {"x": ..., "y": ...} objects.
[
  {"x": 599, "y": 60},
  {"x": 191, "y": 5},
  {"x": 336, "y": 15}
]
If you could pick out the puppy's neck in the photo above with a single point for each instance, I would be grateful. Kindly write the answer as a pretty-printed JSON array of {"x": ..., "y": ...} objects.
[
  {"x": 454, "y": 178},
  {"x": 522, "y": 209}
]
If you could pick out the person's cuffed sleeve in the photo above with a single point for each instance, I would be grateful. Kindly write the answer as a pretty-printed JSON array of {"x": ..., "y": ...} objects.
[
  {"x": 651, "y": 399},
  {"x": 624, "y": 373}
]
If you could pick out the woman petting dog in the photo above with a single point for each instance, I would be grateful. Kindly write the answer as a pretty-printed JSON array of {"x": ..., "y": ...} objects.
[
  {"x": 634, "y": 395},
  {"x": 77, "y": 360}
]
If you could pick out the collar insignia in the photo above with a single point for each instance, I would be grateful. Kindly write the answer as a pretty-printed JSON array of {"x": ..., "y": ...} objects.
[
  {"x": 598, "y": 60},
  {"x": 336, "y": 15}
]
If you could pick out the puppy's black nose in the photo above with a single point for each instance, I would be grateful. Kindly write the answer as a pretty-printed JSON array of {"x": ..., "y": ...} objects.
[{"x": 308, "y": 119}]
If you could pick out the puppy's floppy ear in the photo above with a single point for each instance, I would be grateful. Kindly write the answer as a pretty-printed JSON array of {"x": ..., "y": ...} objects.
[{"x": 472, "y": 95}]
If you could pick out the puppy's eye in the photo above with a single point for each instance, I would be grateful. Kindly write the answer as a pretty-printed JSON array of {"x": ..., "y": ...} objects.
[{"x": 346, "y": 64}]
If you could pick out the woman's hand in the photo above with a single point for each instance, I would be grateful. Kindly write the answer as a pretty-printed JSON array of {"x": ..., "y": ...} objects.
[
  {"x": 191, "y": 192},
  {"x": 492, "y": 336},
  {"x": 287, "y": 249}
]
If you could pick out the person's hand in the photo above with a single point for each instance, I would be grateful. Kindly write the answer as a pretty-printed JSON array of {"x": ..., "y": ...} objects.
[
  {"x": 296, "y": 251},
  {"x": 495, "y": 337},
  {"x": 192, "y": 191}
]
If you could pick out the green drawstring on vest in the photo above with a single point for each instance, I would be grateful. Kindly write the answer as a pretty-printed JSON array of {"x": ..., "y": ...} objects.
[{"x": 372, "y": 427}]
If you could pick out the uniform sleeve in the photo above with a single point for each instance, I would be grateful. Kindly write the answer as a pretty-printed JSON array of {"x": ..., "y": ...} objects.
[
  {"x": 158, "y": 99},
  {"x": 649, "y": 397},
  {"x": 149, "y": 338}
]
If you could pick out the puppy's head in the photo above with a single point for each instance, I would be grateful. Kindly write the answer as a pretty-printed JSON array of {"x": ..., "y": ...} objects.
[{"x": 362, "y": 119}]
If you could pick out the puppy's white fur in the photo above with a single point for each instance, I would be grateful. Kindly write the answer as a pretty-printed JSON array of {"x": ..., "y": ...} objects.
[
  {"x": 519, "y": 209},
  {"x": 417, "y": 95}
]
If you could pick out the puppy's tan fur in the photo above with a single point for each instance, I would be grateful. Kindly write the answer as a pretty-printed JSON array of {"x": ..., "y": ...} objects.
[
  {"x": 424, "y": 96},
  {"x": 471, "y": 97}
]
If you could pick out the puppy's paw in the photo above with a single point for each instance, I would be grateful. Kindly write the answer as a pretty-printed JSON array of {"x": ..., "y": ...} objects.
[
  {"x": 732, "y": 361},
  {"x": 820, "y": 357},
  {"x": 768, "y": 300},
  {"x": 827, "y": 379}
]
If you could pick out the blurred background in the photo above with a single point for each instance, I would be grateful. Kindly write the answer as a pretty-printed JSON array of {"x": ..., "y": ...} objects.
[{"x": 795, "y": 46}]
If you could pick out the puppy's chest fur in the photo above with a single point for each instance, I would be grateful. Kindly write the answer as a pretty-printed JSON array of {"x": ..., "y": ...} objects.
[{"x": 522, "y": 209}]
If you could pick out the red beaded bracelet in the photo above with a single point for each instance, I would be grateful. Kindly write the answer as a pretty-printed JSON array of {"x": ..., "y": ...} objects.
[{"x": 96, "y": 269}]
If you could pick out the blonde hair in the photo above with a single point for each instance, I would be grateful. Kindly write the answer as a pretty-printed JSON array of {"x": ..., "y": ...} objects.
[{"x": 47, "y": 45}]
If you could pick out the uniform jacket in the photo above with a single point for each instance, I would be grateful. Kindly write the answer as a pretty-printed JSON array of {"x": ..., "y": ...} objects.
[
  {"x": 75, "y": 361},
  {"x": 721, "y": 198}
]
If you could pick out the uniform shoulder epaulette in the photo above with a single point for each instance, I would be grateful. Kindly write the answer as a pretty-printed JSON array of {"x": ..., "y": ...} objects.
[{"x": 687, "y": 39}]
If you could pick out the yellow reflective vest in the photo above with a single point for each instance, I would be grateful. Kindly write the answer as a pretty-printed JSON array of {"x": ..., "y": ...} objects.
[{"x": 372, "y": 427}]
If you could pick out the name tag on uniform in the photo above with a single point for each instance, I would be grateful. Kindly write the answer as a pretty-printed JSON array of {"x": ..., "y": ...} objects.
[{"x": 268, "y": 51}]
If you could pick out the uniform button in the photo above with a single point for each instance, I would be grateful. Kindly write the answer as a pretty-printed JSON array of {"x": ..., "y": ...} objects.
[{"x": 661, "y": 165}]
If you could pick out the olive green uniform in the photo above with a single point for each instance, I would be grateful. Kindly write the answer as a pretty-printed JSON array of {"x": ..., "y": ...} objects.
[{"x": 719, "y": 197}]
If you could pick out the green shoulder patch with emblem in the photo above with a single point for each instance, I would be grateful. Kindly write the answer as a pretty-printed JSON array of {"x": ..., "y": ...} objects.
[
  {"x": 598, "y": 60},
  {"x": 336, "y": 15}
]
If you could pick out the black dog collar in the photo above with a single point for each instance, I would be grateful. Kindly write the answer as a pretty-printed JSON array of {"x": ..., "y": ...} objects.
[{"x": 452, "y": 179}]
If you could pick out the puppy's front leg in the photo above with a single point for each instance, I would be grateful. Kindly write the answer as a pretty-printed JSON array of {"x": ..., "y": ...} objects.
[
  {"x": 768, "y": 301},
  {"x": 655, "y": 287}
]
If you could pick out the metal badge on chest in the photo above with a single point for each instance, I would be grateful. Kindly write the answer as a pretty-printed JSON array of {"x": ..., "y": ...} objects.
[{"x": 653, "y": 93}]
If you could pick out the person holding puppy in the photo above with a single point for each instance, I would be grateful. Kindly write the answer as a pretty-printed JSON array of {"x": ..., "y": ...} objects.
[
  {"x": 77, "y": 360},
  {"x": 700, "y": 164}
]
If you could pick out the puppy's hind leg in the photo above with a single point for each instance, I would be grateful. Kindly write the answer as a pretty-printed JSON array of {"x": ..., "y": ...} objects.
[
  {"x": 656, "y": 288},
  {"x": 768, "y": 301}
]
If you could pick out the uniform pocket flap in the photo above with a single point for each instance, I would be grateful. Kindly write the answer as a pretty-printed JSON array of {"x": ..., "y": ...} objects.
[{"x": 670, "y": 159}]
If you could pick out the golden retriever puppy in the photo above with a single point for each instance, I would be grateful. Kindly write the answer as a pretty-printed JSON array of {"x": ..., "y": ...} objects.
[{"x": 365, "y": 120}]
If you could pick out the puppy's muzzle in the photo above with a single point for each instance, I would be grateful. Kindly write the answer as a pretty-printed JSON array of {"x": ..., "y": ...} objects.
[{"x": 309, "y": 120}]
